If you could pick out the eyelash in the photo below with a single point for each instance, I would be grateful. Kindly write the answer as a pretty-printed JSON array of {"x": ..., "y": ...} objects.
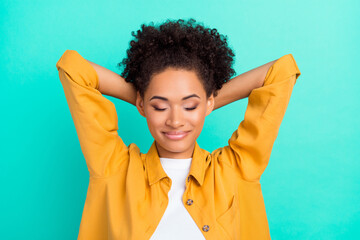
[{"x": 163, "y": 109}]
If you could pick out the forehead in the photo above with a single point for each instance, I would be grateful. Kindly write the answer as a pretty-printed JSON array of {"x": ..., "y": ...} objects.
[{"x": 175, "y": 83}]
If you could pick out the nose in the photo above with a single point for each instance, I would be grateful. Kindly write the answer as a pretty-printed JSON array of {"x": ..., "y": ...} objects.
[{"x": 175, "y": 119}]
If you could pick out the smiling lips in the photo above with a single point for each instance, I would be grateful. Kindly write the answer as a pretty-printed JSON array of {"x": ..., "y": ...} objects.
[{"x": 176, "y": 135}]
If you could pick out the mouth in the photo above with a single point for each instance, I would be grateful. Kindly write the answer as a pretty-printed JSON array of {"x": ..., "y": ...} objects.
[{"x": 176, "y": 135}]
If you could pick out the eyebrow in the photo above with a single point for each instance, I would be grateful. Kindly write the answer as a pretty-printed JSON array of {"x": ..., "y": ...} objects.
[{"x": 165, "y": 99}]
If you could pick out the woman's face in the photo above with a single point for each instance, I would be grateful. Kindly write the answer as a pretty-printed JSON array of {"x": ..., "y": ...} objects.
[{"x": 175, "y": 107}]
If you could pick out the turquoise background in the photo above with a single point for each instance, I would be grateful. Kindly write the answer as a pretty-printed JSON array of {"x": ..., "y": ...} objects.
[{"x": 312, "y": 184}]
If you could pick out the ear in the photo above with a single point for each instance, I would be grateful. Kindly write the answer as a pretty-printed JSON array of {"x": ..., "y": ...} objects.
[
  {"x": 140, "y": 104},
  {"x": 210, "y": 104}
]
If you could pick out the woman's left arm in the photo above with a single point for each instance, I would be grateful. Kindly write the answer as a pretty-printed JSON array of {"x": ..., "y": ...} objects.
[
  {"x": 241, "y": 86},
  {"x": 249, "y": 147}
]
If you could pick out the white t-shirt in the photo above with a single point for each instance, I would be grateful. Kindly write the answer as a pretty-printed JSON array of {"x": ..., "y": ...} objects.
[{"x": 176, "y": 223}]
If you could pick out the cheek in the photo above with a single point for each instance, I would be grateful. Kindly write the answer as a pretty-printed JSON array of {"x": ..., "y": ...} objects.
[
  {"x": 197, "y": 119},
  {"x": 155, "y": 119}
]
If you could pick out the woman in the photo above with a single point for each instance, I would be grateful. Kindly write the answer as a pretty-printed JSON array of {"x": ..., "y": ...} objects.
[{"x": 175, "y": 74}]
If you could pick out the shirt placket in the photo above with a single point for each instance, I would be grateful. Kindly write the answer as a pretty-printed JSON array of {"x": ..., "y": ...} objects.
[{"x": 202, "y": 218}]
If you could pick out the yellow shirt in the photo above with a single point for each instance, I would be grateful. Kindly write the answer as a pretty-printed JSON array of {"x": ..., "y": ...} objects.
[{"x": 127, "y": 192}]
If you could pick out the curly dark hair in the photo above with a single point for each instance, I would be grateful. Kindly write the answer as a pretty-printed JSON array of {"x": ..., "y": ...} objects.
[{"x": 181, "y": 45}]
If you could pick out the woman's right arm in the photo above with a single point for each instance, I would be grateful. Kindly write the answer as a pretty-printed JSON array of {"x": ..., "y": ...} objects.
[
  {"x": 112, "y": 84},
  {"x": 94, "y": 116}
]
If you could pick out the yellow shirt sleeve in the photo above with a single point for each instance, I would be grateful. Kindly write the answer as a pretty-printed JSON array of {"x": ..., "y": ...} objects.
[
  {"x": 94, "y": 116},
  {"x": 250, "y": 146}
]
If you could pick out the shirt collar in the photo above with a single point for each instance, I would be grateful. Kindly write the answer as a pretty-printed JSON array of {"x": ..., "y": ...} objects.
[{"x": 156, "y": 172}]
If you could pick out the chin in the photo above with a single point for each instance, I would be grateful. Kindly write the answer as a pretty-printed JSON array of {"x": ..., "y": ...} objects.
[{"x": 174, "y": 146}]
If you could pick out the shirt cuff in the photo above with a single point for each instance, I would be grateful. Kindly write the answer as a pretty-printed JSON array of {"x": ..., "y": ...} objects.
[
  {"x": 78, "y": 67},
  {"x": 283, "y": 68}
]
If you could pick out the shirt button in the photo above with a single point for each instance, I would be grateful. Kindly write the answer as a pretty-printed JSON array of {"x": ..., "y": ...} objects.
[
  {"x": 189, "y": 202},
  {"x": 206, "y": 228}
]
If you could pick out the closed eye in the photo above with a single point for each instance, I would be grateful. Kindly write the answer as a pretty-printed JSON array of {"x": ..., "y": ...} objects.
[
  {"x": 159, "y": 109},
  {"x": 163, "y": 109}
]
